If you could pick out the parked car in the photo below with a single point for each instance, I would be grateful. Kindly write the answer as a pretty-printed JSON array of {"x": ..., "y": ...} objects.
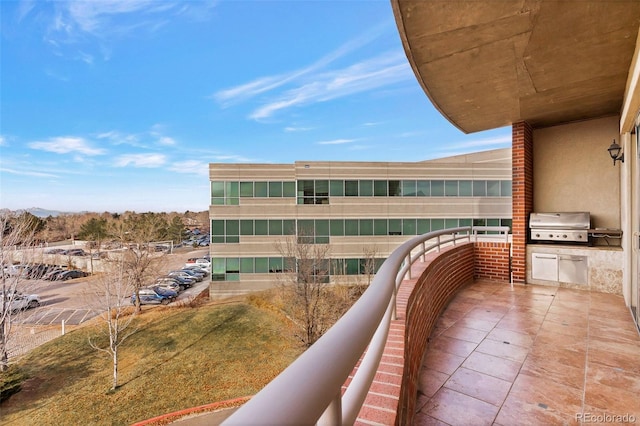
[
  {"x": 197, "y": 269},
  {"x": 69, "y": 275},
  {"x": 52, "y": 274},
  {"x": 169, "y": 283},
  {"x": 55, "y": 251},
  {"x": 75, "y": 252},
  {"x": 187, "y": 274},
  {"x": 20, "y": 302},
  {"x": 154, "y": 295},
  {"x": 199, "y": 262}
]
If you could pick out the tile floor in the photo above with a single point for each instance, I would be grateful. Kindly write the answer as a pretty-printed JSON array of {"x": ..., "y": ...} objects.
[{"x": 531, "y": 355}]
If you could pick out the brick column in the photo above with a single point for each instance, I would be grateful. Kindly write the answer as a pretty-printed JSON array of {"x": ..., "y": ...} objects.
[{"x": 522, "y": 182}]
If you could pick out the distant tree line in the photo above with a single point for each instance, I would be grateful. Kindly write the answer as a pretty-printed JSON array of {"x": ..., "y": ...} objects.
[{"x": 105, "y": 226}]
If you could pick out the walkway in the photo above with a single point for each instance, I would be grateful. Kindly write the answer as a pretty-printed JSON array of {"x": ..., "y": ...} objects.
[{"x": 531, "y": 355}]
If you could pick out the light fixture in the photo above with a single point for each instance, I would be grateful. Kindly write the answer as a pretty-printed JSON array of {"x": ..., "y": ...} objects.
[{"x": 614, "y": 152}]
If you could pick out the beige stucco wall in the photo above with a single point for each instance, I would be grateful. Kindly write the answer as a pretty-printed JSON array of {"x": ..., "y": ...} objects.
[{"x": 573, "y": 171}]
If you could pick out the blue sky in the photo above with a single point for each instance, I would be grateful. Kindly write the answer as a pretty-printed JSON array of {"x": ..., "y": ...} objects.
[{"x": 121, "y": 105}]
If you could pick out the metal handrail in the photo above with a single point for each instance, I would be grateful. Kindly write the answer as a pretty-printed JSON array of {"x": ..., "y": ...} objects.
[{"x": 309, "y": 390}]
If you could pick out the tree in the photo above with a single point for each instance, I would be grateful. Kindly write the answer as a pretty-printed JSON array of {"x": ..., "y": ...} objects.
[
  {"x": 307, "y": 298},
  {"x": 111, "y": 297},
  {"x": 16, "y": 231},
  {"x": 96, "y": 231},
  {"x": 176, "y": 231}
]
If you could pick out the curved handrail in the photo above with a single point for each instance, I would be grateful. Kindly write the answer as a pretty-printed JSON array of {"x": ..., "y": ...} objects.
[{"x": 309, "y": 389}]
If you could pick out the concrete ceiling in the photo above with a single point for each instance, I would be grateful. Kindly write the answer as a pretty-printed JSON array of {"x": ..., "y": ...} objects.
[{"x": 488, "y": 64}]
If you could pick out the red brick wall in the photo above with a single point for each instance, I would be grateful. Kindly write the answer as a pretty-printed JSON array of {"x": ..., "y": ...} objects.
[
  {"x": 492, "y": 261},
  {"x": 438, "y": 283},
  {"x": 522, "y": 183}
]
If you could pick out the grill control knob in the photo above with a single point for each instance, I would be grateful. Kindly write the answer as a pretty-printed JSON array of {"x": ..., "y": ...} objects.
[
  {"x": 550, "y": 235},
  {"x": 564, "y": 236}
]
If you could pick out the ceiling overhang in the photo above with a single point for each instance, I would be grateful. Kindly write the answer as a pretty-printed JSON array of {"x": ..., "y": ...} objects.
[{"x": 488, "y": 64}]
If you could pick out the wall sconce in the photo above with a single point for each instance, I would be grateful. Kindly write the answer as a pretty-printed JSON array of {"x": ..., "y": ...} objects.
[{"x": 614, "y": 151}]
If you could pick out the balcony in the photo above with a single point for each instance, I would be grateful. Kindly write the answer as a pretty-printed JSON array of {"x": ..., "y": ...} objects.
[{"x": 455, "y": 343}]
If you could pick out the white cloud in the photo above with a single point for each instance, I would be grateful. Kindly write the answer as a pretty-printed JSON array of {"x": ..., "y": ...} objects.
[
  {"x": 166, "y": 140},
  {"x": 27, "y": 173},
  {"x": 3, "y": 141},
  {"x": 141, "y": 160},
  {"x": 196, "y": 167},
  {"x": 292, "y": 129},
  {"x": 336, "y": 142},
  {"x": 66, "y": 145}
]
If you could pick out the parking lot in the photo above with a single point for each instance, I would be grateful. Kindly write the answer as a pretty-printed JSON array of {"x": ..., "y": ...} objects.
[{"x": 74, "y": 301}]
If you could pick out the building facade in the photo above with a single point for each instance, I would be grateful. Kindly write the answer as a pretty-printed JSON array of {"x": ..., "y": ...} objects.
[{"x": 362, "y": 210}]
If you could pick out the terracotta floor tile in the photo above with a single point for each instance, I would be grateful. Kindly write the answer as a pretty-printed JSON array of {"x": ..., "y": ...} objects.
[
  {"x": 481, "y": 386},
  {"x": 464, "y": 333},
  {"x": 485, "y": 314},
  {"x": 543, "y": 367},
  {"x": 442, "y": 361},
  {"x": 422, "y": 419},
  {"x": 560, "y": 355},
  {"x": 494, "y": 366},
  {"x": 477, "y": 324},
  {"x": 513, "y": 337},
  {"x": 615, "y": 377},
  {"x": 453, "y": 346},
  {"x": 520, "y": 326},
  {"x": 538, "y": 401},
  {"x": 611, "y": 400},
  {"x": 502, "y": 350},
  {"x": 455, "y": 408},
  {"x": 430, "y": 381},
  {"x": 564, "y": 328}
]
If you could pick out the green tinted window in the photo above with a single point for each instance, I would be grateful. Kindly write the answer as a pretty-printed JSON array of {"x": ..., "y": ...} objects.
[
  {"x": 352, "y": 266},
  {"x": 246, "y": 227},
  {"x": 366, "y": 226},
  {"x": 450, "y": 223},
  {"x": 260, "y": 189},
  {"x": 380, "y": 188},
  {"x": 261, "y": 265},
  {"x": 479, "y": 188},
  {"x": 465, "y": 188},
  {"x": 289, "y": 189},
  {"x": 465, "y": 222},
  {"x": 351, "y": 227},
  {"x": 451, "y": 188},
  {"x": 322, "y": 188},
  {"x": 275, "y": 264},
  {"x": 409, "y": 188},
  {"x": 275, "y": 189},
  {"x": 218, "y": 265},
  {"x": 261, "y": 227},
  {"x": 437, "y": 224},
  {"x": 305, "y": 188},
  {"x": 336, "y": 227},
  {"x": 336, "y": 188},
  {"x": 275, "y": 227},
  {"x": 305, "y": 228},
  {"x": 217, "y": 227},
  {"x": 380, "y": 227},
  {"x": 423, "y": 188},
  {"x": 232, "y": 189},
  {"x": 408, "y": 227},
  {"x": 351, "y": 188},
  {"x": 233, "y": 265},
  {"x": 493, "y": 188},
  {"x": 233, "y": 227},
  {"x": 505, "y": 188},
  {"x": 217, "y": 188},
  {"x": 366, "y": 188},
  {"x": 423, "y": 225},
  {"x": 246, "y": 265},
  {"x": 322, "y": 227},
  {"x": 288, "y": 227},
  {"x": 395, "y": 226},
  {"x": 437, "y": 188},
  {"x": 246, "y": 189},
  {"x": 395, "y": 188}
]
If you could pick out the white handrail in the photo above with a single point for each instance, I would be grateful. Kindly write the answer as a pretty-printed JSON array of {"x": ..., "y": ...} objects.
[{"x": 308, "y": 391}]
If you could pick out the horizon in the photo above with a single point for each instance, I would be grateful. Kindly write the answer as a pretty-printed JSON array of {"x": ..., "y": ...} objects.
[{"x": 121, "y": 105}]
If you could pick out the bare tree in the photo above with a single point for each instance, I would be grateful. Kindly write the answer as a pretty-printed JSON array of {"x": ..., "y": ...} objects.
[
  {"x": 307, "y": 298},
  {"x": 370, "y": 264},
  {"x": 110, "y": 296},
  {"x": 16, "y": 243}
]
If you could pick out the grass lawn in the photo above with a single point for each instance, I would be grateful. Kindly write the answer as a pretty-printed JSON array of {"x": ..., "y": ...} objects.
[{"x": 178, "y": 358}]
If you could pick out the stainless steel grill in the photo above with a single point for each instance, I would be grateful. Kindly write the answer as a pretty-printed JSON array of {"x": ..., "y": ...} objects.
[{"x": 565, "y": 227}]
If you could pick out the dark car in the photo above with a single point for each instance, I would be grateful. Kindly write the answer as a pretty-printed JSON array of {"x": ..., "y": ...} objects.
[
  {"x": 154, "y": 296},
  {"x": 69, "y": 275},
  {"x": 52, "y": 274}
]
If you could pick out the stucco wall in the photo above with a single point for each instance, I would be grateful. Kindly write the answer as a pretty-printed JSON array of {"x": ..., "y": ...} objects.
[{"x": 573, "y": 171}]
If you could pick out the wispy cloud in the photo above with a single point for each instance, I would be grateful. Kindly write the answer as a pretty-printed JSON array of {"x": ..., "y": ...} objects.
[
  {"x": 3, "y": 140},
  {"x": 141, "y": 160},
  {"x": 67, "y": 145},
  {"x": 196, "y": 167},
  {"x": 292, "y": 129},
  {"x": 318, "y": 83},
  {"x": 27, "y": 173},
  {"x": 336, "y": 142}
]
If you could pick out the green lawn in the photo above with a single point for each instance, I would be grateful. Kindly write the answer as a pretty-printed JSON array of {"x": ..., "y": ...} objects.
[{"x": 178, "y": 358}]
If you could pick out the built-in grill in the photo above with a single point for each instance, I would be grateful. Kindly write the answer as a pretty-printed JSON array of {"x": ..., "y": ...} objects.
[{"x": 570, "y": 227}]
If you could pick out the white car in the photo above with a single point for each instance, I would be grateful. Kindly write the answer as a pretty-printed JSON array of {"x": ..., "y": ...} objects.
[
  {"x": 200, "y": 263},
  {"x": 21, "y": 302}
]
